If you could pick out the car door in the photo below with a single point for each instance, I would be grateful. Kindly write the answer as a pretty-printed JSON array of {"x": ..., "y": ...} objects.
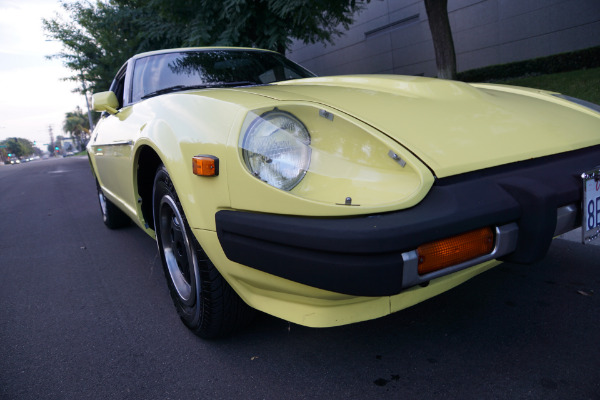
[{"x": 113, "y": 144}]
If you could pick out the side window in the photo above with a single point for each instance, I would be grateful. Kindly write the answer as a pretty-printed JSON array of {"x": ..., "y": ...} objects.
[
  {"x": 118, "y": 85},
  {"x": 142, "y": 67}
]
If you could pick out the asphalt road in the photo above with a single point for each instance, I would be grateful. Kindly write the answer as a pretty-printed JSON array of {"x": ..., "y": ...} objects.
[{"x": 85, "y": 314}]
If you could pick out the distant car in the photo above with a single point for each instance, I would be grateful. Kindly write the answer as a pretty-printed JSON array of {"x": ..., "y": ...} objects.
[{"x": 327, "y": 201}]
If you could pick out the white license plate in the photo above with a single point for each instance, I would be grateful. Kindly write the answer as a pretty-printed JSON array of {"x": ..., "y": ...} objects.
[{"x": 590, "y": 225}]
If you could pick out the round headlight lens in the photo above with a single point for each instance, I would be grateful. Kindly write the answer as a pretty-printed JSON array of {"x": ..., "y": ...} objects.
[{"x": 276, "y": 149}]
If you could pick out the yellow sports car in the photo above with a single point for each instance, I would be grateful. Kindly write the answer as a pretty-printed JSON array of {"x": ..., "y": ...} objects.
[{"x": 330, "y": 200}]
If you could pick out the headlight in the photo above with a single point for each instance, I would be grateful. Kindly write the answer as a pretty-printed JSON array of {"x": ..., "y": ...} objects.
[
  {"x": 584, "y": 103},
  {"x": 276, "y": 149}
]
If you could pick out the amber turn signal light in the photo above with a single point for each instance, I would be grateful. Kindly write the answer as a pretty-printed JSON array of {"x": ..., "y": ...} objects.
[
  {"x": 455, "y": 250},
  {"x": 205, "y": 165}
]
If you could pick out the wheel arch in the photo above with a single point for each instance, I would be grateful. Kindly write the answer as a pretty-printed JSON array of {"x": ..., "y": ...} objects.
[
  {"x": 173, "y": 143},
  {"x": 147, "y": 163},
  {"x": 92, "y": 166}
]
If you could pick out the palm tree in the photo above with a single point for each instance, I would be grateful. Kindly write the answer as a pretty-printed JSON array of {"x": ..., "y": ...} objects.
[{"x": 76, "y": 124}]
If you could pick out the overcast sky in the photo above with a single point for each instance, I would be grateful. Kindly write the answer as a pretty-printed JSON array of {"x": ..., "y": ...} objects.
[{"x": 32, "y": 95}]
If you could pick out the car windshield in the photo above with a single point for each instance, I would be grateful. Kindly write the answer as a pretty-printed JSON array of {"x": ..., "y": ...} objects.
[{"x": 163, "y": 73}]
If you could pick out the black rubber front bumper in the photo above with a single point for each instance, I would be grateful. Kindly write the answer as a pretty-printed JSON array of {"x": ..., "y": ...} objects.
[{"x": 362, "y": 255}]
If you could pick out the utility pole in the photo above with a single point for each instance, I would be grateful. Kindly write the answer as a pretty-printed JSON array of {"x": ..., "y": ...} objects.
[
  {"x": 87, "y": 103},
  {"x": 51, "y": 138},
  {"x": 2, "y": 151}
]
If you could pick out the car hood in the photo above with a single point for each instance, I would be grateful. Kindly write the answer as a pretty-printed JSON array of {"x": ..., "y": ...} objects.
[{"x": 453, "y": 127}]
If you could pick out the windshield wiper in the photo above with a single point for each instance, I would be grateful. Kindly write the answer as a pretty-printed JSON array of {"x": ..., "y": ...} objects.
[
  {"x": 232, "y": 84},
  {"x": 169, "y": 89},
  {"x": 178, "y": 88}
]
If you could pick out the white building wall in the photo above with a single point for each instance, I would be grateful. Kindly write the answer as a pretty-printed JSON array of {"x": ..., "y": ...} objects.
[{"x": 392, "y": 36}]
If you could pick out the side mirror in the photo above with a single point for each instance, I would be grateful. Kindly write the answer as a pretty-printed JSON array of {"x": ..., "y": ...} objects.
[{"x": 105, "y": 101}]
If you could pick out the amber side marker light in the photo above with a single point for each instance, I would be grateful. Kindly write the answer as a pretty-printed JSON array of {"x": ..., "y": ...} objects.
[
  {"x": 205, "y": 165},
  {"x": 455, "y": 250}
]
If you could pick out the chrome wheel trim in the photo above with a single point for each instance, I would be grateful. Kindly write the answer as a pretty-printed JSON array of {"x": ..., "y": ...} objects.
[
  {"x": 179, "y": 256},
  {"x": 102, "y": 202}
]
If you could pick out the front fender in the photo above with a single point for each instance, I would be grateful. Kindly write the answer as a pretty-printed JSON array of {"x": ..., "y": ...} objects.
[{"x": 179, "y": 135}]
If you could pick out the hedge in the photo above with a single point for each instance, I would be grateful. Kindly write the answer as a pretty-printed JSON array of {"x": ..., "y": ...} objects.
[{"x": 574, "y": 60}]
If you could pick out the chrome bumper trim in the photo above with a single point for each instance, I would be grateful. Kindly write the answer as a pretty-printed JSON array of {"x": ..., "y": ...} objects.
[
  {"x": 506, "y": 242},
  {"x": 566, "y": 219}
]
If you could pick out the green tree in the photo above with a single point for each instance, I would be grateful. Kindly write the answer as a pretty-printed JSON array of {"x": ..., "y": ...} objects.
[
  {"x": 101, "y": 35},
  {"x": 18, "y": 146},
  {"x": 97, "y": 40},
  {"x": 268, "y": 24}
]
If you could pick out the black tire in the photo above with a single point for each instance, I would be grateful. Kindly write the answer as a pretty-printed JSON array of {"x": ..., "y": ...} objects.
[
  {"x": 112, "y": 216},
  {"x": 204, "y": 300}
]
